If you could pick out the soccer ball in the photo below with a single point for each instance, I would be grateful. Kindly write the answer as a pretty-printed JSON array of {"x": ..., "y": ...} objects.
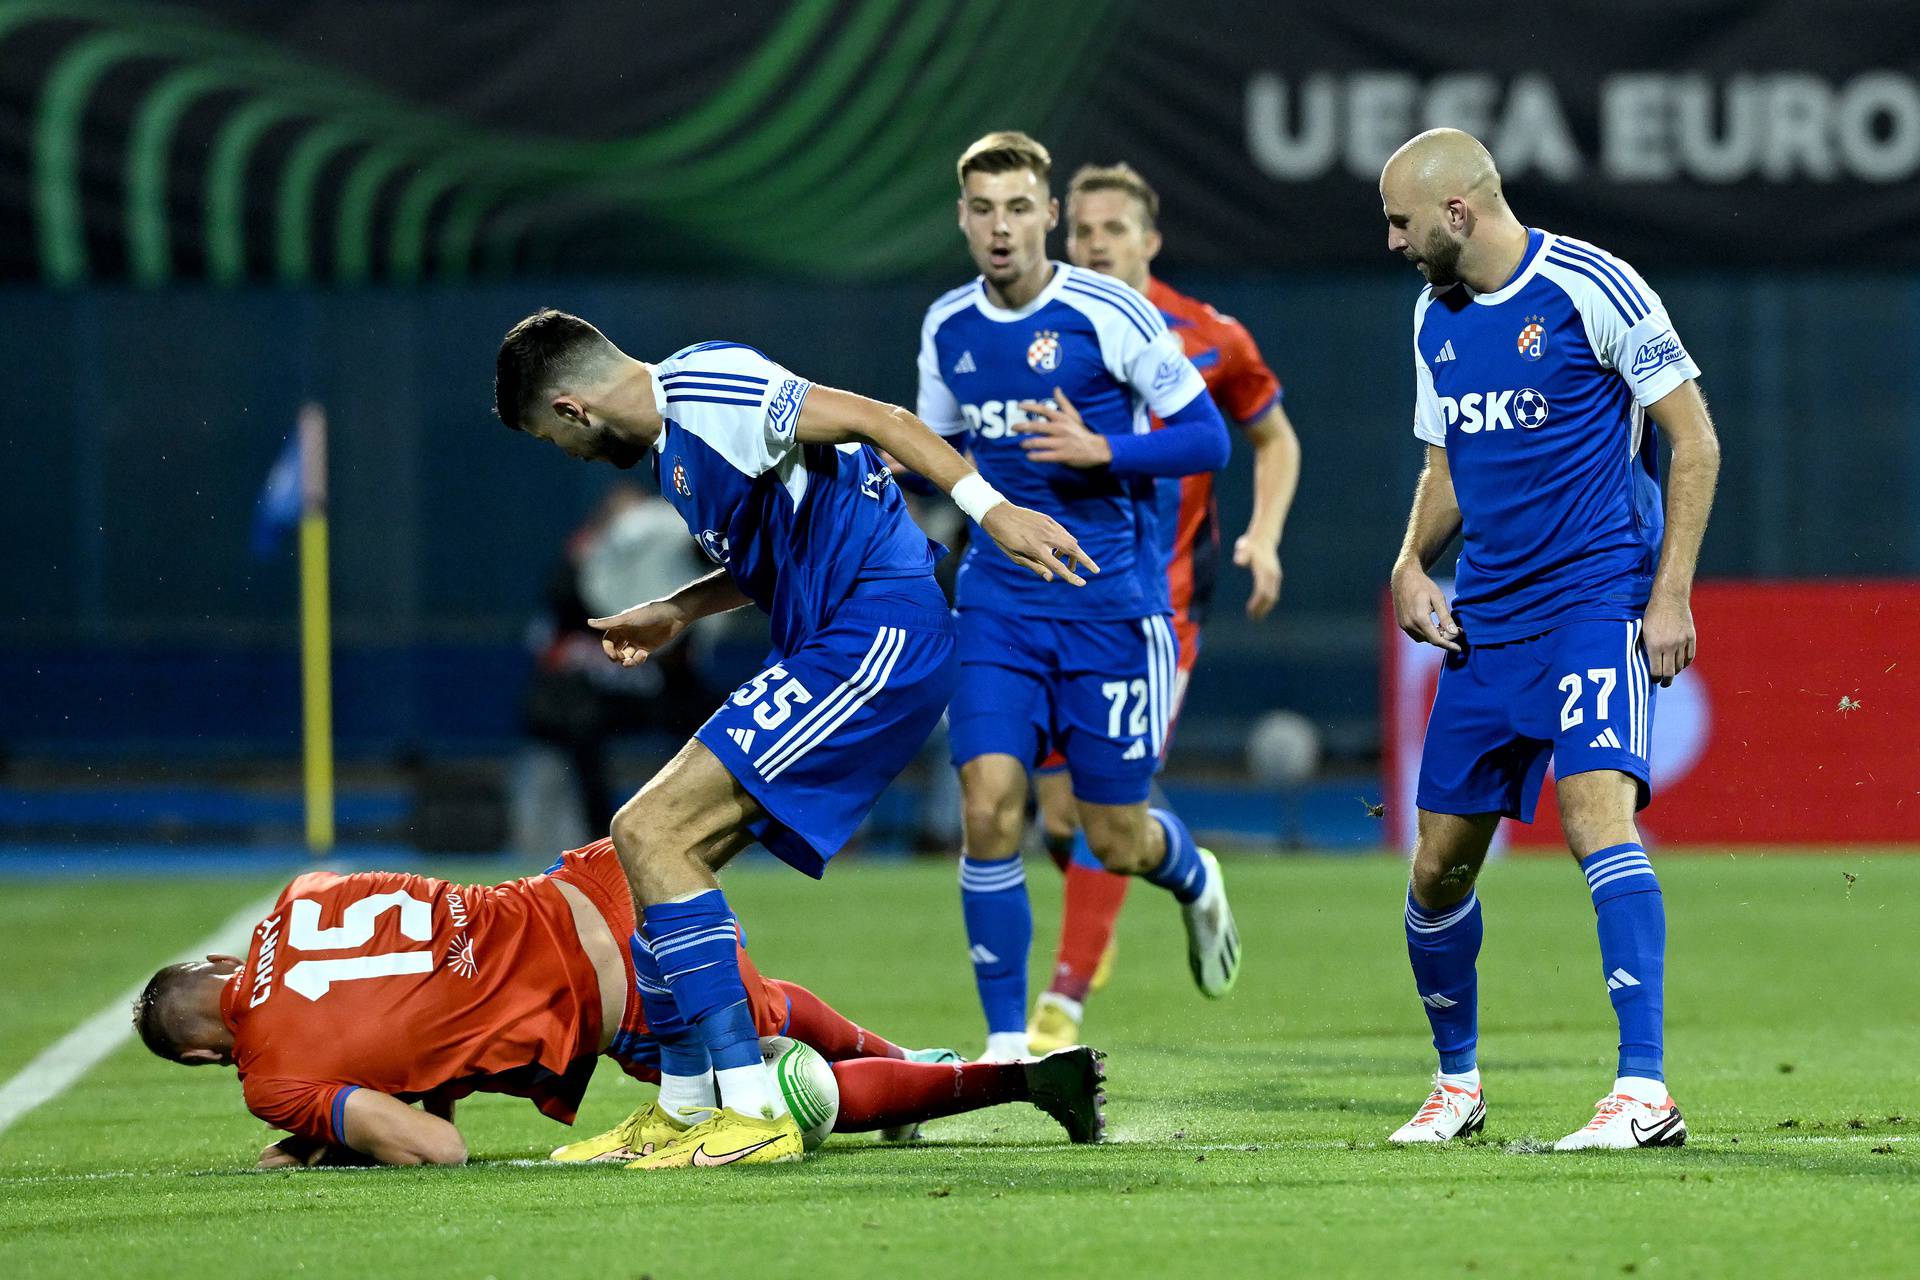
[
  {"x": 1530, "y": 409},
  {"x": 806, "y": 1082}
]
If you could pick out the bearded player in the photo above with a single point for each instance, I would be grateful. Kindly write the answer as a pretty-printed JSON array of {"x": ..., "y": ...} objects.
[
  {"x": 1050, "y": 372},
  {"x": 1545, "y": 373},
  {"x": 779, "y": 482},
  {"x": 360, "y": 994},
  {"x": 1113, "y": 228}
]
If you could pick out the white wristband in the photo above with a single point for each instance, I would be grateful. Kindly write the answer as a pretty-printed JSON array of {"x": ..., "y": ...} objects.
[{"x": 975, "y": 496}]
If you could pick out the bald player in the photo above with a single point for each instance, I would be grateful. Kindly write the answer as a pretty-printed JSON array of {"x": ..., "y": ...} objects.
[{"x": 1545, "y": 373}]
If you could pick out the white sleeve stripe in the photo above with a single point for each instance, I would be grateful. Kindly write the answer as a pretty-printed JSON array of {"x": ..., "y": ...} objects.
[
  {"x": 680, "y": 375},
  {"x": 734, "y": 400},
  {"x": 678, "y": 385},
  {"x": 1131, "y": 318},
  {"x": 1122, "y": 295},
  {"x": 1628, "y": 311}
]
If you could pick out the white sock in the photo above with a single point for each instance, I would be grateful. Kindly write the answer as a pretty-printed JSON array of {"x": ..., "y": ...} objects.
[
  {"x": 1641, "y": 1089},
  {"x": 1005, "y": 1046},
  {"x": 683, "y": 1096},
  {"x": 751, "y": 1091},
  {"x": 1468, "y": 1079}
]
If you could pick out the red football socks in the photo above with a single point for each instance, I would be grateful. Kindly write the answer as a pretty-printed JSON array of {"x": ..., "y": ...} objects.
[
  {"x": 837, "y": 1037},
  {"x": 1087, "y": 917},
  {"x": 880, "y": 1093}
]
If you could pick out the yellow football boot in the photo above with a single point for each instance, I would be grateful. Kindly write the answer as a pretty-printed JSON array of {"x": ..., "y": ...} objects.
[
  {"x": 727, "y": 1137},
  {"x": 640, "y": 1134},
  {"x": 1103, "y": 972},
  {"x": 1055, "y": 1024}
]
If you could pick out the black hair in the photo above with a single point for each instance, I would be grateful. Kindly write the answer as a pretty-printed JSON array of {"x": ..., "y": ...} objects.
[{"x": 536, "y": 355}]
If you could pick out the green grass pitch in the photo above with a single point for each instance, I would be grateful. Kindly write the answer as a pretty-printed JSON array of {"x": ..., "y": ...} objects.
[{"x": 1248, "y": 1135}]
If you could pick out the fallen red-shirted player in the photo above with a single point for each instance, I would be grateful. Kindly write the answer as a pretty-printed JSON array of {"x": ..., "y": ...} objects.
[{"x": 362, "y": 994}]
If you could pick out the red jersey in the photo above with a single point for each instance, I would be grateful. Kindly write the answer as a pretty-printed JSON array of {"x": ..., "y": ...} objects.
[
  {"x": 1244, "y": 388},
  {"x": 416, "y": 987}
]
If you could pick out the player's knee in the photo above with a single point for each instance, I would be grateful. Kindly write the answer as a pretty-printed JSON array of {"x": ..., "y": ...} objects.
[
  {"x": 628, "y": 831},
  {"x": 992, "y": 825},
  {"x": 1596, "y": 811},
  {"x": 1121, "y": 839},
  {"x": 1440, "y": 882}
]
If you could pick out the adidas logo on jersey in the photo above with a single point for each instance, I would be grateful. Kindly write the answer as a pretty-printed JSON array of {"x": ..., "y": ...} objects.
[
  {"x": 1446, "y": 352},
  {"x": 742, "y": 738},
  {"x": 965, "y": 363},
  {"x": 1621, "y": 978},
  {"x": 1138, "y": 751},
  {"x": 1607, "y": 738}
]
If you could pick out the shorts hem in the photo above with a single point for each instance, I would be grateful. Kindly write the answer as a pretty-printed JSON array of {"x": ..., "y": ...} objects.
[{"x": 1606, "y": 762}]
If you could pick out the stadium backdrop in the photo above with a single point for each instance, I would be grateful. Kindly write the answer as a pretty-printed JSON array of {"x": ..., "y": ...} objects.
[{"x": 212, "y": 213}]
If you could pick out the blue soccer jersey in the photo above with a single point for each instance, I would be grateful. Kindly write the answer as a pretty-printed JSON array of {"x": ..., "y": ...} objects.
[
  {"x": 1538, "y": 393},
  {"x": 1109, "y": 350},
  {"x": 795, "y": 525}
]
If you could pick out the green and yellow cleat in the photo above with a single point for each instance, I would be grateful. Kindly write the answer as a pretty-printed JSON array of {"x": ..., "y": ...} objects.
[
  {"x": 640, "y": 1134},
  {"x": 727, "y": 1137}
]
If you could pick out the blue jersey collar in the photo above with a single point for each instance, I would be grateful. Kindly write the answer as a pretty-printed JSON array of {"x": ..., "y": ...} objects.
[
  {"x": 1039, "y": 300},
  {"x": 1529, "y": 260}
]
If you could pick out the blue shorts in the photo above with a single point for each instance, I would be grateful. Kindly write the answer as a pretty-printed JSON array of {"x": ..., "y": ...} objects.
[
  {"x": 1099, "y": 692},
  {"x": 1578, "y": 694},
  {"x": 821, "y": 732}
]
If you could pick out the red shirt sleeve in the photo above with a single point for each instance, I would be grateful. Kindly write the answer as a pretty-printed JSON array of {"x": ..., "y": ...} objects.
[
  {"x": 306, "y": 1107},
  {"x": 1246, "y": 387}
]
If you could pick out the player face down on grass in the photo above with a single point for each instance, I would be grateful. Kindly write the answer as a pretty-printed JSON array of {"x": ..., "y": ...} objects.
[{"x": 336, "y": 1027}]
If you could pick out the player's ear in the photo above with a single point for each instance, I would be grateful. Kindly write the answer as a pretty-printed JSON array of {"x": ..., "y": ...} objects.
[
  {"x": 204, "y": 1057},
  {"x": 960, "y": 212},
  {"x": 1053, "y": 212},
  {"x": 1153, "y": 243},
  {"x": 569, "y": 408}
]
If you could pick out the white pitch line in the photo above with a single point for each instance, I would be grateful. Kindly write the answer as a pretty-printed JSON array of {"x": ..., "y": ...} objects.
[{"x": 61, "y": 1064}]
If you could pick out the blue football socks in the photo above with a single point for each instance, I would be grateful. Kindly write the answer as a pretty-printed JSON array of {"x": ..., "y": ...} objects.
[
  {"x": 993, "y": 899},
  {"x": 1443, "y": 945},
  {"x": 694, "y": 942},
  {"x": 1631, "y": 918},
  {"x": 1181, "y": 870}
]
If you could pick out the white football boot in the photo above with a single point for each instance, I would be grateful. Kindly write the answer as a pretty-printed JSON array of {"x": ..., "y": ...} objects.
[
  {"x": 1450, "y": 1111},
  {"x": 1213, "y": 942},
  {"x": 1623, "y": 1123}
]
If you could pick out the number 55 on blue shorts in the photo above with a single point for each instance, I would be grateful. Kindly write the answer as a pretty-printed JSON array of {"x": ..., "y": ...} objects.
[
  {"x": 821, "y": 732},
  {"x": 1578, "y": 695}
]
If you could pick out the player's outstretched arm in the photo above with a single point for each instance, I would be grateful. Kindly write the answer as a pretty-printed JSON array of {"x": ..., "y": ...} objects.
[
  {"x": 1419, "y": 606},
  {"x": 1694, "y": 470},
  {"x": 633, "y": 635},
  {"x": 1029, "y": 538},
  {"x": 392, "y": 1132},
  {"x": 1276, "y": 475}
]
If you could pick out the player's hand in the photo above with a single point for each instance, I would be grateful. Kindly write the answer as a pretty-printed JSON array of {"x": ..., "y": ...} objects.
[
  {"x": 1420, "y": 607},
  {"x": 1667, "y": 634},
  {"x": 1036, "y": 541},
  {"x": 1263, "y": 562},
  {"x": 1059, "y": 435},
  {"x": 292, "y": 1152},
  {"x": 634, "y": 635}
]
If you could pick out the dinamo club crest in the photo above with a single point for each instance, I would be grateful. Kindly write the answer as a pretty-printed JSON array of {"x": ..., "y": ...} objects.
[
  {"x": 1533, "y": 338},
  {"x": 680, "y": 479},
  {"x": 1043, "y": 353}
]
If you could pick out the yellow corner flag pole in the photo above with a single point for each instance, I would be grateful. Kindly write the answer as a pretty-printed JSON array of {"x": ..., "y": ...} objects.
[{"x": 316, "y": 645}]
